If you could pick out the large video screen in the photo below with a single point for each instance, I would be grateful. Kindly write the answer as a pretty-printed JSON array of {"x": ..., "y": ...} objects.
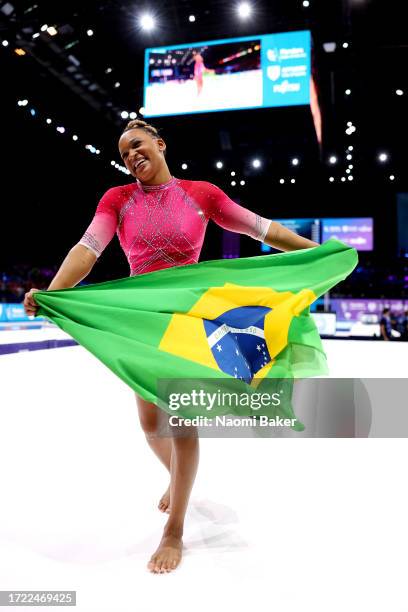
[
  {"x": 356, "y": 232},
  {"x": 238, "y": 73}
]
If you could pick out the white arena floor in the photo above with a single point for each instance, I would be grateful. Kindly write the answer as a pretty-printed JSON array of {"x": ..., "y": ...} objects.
[{"x": 273, "y": 524}]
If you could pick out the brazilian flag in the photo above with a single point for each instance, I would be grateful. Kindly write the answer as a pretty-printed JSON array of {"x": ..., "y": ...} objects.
[{"x": 238, "y": 323}]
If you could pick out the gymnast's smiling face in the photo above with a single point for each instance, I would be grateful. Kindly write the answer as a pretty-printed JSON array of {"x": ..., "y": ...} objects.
[{"x": 142, "y": 154}]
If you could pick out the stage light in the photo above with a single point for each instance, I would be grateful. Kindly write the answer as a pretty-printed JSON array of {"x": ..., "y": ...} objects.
[
  {"x": 97, "y": 151},
  {"x": 32, "y": 112},
  {"x": 392, "y": 177},
  {"x": 5, "y": 43},
  {"x": 399, "y": 92},
  {"x": 349, "y": 157},
  {"x": 350, "y": 178},
  {"x": 219, "y": 165},
  {"x": 22, "y": 102},
  {"x": 113, "y": 163},
  {"x": 49, "y": 121},
  {"x": 347, "y": 92},
  {"x": 281, "y": 181},
  {"x": 61, "y": 129},
  {"x": 345, "y": 45},
  {"x": 244, "y": 10},
  {"x": 191, "y": 18},
  {"x": 331, "y": 179},
  {"x": 117, "y": 84},
  {"x": 44, "y": 27},
  {"x": 295, "y": 161},
  {"x": 350, "y": 148},
  {"x": 293, "y": 180},
  {"x": 142, "y": 110},
  {"x": 146, "y": 22},
  {"x": 75, "y": 137},
  {"x": 306, "y": 3},
  {"x": 108, "y": 70},
  {"x": 132, "y": 115},
  {"x": 184, "y": 166},
  {"x": 233, "y": 173},
  {"x": 242, "y": 182},
  {"x": 343, "y": 179},
  {"x": 19, "y": 51},
  {"x": 349, "y": 123},
  {"x": 90, "y": 32},
  {"x": 36, "y": 35},
  {"x": 333, "y": 159},
  {"x": 348, "y": 171},
  {"x": 382, "y": 157},
  {"x": 52, "y": 31},
  {"x": 124, "y": 115},
  {"x": 233, "y": 183},
  {"x": 351, "y": 166},
  {"x": 256, "y": 163},
  {"x": 329, "y": 47}
]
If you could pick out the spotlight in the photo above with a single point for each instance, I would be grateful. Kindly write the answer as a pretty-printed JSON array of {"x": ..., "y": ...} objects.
[
  {"x": 293, "y": 180},
  {"x": 117, "y": 84},
  {"x": 256, "y": 163},
  {"x": 184, "y": 166},
  {"x": 329, "y": 47},
  {"x": 52, "y": 31},
  {"x": 332, "y": 159},
  {"x": 108, "y": 70},
  {"x": 331, "y": 179},
  {"x": 345, "y": 45},
  {"x": 191, "y": 18},
  {"x": 244, "y": 10},
  {"x": 61, "y": 130},
  {"x": 124, "y": 115},
  {"x": 75, "y": 137},
  {"x": 306, "y": 3},
  {"x": 350, "y": 148},
  {"x": 5, "y": 43},
  {"x": 392, "y": 177},
  {"x": 233, "y": 183},
  {"x": 295, "y": 161},
  {"x": 349, "y": 123},
  {"x": 233, "y": 173},
  {"x": 132, "y": 115},
  {"x": 22, "y": 102},
  {"x": 242, "y": 182},
  {"x": 19, "y": 51},
  {"x": 347, "y": 92},
  {"x": 44, "y": 27},
  {"x": 32, "y": 112},
  {"x": 36, "y": 35},
  {"x": 281, "y": 181},
  {"x": 348, "y": 171},
  {"x": 97, "y": 151},
  {"x": 113, "y": 163},
  {"x": 49, "y": 121},
  {"x": 382, "y": 157},
  {"x": 146, "y": 22},
  {"x": 219, "y": 165},
  {"x": 142, "y": 110},
  {"x": 399, "y": 92},
  {"x": 350, "y": 178},
  {"x": 90, "y": 32},
  {"x": 351, "y": 166},
  {"x": 343, "y": 179},
  {"x": 349, "y": 157}
]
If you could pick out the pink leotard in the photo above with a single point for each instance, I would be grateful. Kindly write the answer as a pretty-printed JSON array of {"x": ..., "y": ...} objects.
[{"x": 164, "y": 225}]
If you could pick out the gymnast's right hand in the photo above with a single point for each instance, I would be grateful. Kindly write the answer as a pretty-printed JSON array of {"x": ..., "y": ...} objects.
[{"x": 30, "y": 306}]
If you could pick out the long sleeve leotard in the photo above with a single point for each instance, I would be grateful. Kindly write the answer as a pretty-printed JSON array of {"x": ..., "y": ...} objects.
[{"x": 164, "y": 225}]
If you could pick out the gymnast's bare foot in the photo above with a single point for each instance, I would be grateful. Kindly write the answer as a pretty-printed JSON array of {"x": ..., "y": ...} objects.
[
  {"x": 164, "y": 503},
  {"x": 168, "y": 555}
]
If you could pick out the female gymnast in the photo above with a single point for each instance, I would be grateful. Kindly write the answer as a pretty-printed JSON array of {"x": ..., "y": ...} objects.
[
  {"x": 161, "y": 221},
  {"x": 199, "y": 70}
]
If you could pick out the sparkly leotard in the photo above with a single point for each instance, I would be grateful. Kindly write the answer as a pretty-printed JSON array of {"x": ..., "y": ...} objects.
[{"x": 164, "y": 225}]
